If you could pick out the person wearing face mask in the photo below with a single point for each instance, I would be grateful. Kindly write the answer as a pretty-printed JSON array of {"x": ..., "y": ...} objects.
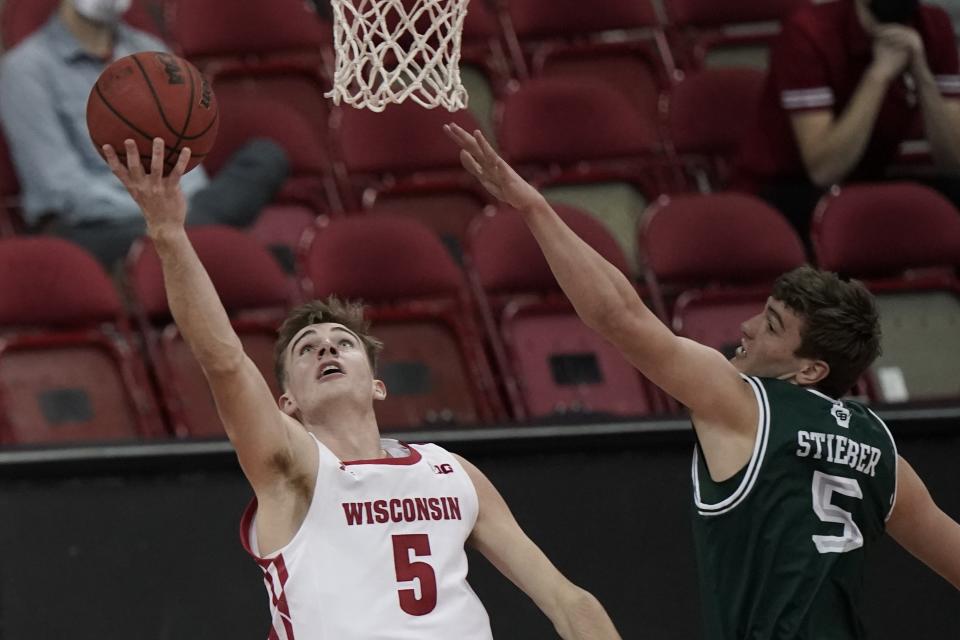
[
  {"x": 66, "y": 188},
  {"x": 858, "y": 90}
]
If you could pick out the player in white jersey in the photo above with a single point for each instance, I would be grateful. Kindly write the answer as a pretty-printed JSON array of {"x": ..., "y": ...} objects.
[{"x": 359, "y": 538}]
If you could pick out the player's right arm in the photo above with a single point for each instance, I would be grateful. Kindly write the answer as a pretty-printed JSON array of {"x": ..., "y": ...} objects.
[
  {"x": 576, "y": 613},
  {"x": 922, "y": 528},
  {"x": 699, "y": 377},
  {"x": 269, "y": 444}
]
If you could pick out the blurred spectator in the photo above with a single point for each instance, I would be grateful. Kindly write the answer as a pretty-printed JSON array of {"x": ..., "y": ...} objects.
[
  {"x": 853, "y": 85},
  {"x": 67, "y": 188}
]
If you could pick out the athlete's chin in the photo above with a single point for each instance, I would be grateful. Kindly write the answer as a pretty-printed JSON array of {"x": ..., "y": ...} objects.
[
  {"x": 343, "y": 394},
  {"x": 740, "y": 363}
]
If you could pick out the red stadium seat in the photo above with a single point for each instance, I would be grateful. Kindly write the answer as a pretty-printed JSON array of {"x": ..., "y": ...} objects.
[
  {"x": 715, "y": 257},
  {"x": 402, "y": 141},
  {"x": 215, "y": 30},
  {"x": 279, "y": 227},
  {"x": 433, "y": 363},
  {"x": 484, "y": 66},
  {"x": 622, "y": 66},
  {"x": 402, "y": 153},
  {"x": 903, "y": 241},
  {"x": 704, "y": 13},
  {"x": 481, "y": 33},
  {"x": 536, "y": 30},
  {"x": 255, "y": 115},
  {"x": 447, "y": 213},
  {"x": 552, "y": 364},
  {"x": 552, "y": 121},
  {"x": 585, "y": 144},
  {"x": 20, "y": 18},
  {"x": 877, "y": 230},
  {"x": 539, "y": 19},
  {"x": 254, "y": 292},
  {"x": 700, "y": 28},
  {"x": 69, "y": 370},
  {"x": 281, "y": 48},
  {"x": 572, "y": 40},
  {"x": 707, "y": 115}
]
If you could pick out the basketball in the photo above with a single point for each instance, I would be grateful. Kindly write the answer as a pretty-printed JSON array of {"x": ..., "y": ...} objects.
[{"x": 151, "y": 95}]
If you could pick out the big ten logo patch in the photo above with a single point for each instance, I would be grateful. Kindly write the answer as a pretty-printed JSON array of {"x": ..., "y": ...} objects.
[
  {"x": 841, "y": 414},
  {"x": 443, "y": 469}
]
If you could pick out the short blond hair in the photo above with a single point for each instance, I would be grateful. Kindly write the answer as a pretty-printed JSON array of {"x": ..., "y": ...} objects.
[{"x": 347, "y": 313}]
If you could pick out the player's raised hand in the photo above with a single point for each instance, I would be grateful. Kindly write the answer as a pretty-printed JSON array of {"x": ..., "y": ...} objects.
[
  {"x": 498, "y": 177},
  {"x": 160, "y": 197}
]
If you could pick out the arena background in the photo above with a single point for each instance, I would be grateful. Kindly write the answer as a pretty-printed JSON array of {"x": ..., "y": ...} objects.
[{"x": 139, "y": 541}]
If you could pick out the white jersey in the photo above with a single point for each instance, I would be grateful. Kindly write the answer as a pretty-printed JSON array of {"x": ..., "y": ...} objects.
[{"x": 380, "y": 554}]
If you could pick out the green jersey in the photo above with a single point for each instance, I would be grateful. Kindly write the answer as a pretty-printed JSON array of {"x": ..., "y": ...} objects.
[{"x": 781, "y": 545}]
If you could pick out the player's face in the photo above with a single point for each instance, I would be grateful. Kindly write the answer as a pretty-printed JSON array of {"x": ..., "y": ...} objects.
[
  {"x": 769, "y": 341},
  {"x": 326, "y": 362}
]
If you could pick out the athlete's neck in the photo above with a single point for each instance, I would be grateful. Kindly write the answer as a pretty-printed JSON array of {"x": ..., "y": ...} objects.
[
  {"x": 349, "y": 435},
  {"x": 95, "y": 38}
]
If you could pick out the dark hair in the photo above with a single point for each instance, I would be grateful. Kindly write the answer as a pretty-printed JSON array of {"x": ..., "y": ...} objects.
[
  {"x": 333, "y": 309},
  {"x": 841, "y": 325}
]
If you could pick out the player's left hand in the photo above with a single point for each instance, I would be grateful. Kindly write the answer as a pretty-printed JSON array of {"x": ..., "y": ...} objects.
[
  {"x": 160, "y": 198},
  {"x": 480, "y": 159}
]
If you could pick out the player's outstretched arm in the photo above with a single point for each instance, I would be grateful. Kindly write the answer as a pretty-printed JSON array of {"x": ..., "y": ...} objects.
[
  {"x": 699, "y": 377},
  {"x": 922, "y": 528},
  {"x": 575, "y": 613},
  {"x": 256, "y": 427}
]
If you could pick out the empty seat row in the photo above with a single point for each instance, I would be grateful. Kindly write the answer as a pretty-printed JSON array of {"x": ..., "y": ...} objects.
[
  {"x": 495, "y": 343},
  {"x": 580, "y": 142},
  {"x": 270, "y": 66},
  {"x": 694, "y": 27}
]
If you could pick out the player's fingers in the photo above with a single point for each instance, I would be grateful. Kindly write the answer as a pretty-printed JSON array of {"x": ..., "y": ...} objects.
[
  {"x": 180, "y": 167},
  {"x": 470, "y": 163},
  {"x": 488, "y": 153},
  {"x": 454, "y": 132},
  {"x": 464, "y": 139},
  {"x": 156, "y": 159},
  {"x": 133, "y": 159},
  {"x": 451, "y": 132},
  {"x": 113, "y": 161},
  {"x": 111, "y": 157}
]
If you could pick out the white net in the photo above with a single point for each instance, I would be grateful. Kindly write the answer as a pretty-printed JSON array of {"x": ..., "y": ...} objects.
[{"x": 394, "y": 50}]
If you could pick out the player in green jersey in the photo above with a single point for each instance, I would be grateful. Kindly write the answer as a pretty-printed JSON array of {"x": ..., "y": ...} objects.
[{"x": 791, "y": 484}]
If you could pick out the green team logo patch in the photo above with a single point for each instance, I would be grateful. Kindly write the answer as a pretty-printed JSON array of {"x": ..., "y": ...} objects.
[{"x": 841, "y": 414}]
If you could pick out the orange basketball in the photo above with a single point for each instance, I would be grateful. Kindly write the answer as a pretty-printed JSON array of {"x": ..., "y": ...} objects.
[{"x": 151, "y": 95}]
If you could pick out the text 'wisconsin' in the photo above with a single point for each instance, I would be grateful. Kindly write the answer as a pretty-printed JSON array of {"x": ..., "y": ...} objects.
[{"x": 402, "y": 510}]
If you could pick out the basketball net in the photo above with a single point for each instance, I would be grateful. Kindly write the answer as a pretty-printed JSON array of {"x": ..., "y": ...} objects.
[{"x": 394, "y": 50}]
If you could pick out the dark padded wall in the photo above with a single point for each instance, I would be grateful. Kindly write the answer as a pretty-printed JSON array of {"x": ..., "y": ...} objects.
[{"x": 154, "y": 553}]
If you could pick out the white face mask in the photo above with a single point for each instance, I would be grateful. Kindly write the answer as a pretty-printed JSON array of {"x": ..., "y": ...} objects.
[{"x": 103, "y": 11}]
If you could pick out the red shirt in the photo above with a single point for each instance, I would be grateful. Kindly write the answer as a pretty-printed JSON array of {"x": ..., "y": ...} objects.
[{"x": 817, "y": 63}]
